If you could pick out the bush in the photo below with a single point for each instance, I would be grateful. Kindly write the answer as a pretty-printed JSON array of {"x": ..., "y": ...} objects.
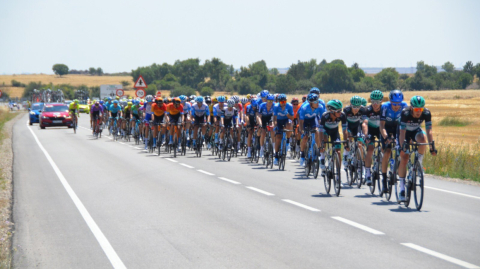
[
  {"x": 206, "y": 91},
  {"x": 151, "y": 90},
  {"x": 125, "y": 83},
  {"x": 17, "y": 84},
  {"x": 182, "y": 90},
  {"x": 454, "y": 121}
]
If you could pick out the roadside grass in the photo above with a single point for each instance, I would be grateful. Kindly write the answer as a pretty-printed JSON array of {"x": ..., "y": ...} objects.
[
  {"x": 455, "y": 161},
  {"x": 5, "y": 199},
  {"x": 454, "y": 121}
]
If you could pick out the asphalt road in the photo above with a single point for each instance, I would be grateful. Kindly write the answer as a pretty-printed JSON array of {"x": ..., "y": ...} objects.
[{"x": 86, "y": 203}]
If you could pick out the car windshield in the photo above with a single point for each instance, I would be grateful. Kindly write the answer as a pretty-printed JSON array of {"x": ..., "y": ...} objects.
[
  {"x": 37, "y": 106},
  {"x": 56, "y": 109}
]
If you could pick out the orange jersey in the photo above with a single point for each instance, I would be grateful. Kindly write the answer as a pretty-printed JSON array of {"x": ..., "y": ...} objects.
[
  {"x": 295, "y": 110},
  {"x": 174, "y": 110},
  {"x": 159, "y": 110}
]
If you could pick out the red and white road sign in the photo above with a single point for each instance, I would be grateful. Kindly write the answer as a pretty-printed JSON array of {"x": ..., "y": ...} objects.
[
  {"x": 140, "y": 83},
  {"x": 120, "y": 92},
  {"x": 159, "y": 94},
  {"x": 140, "y": 93},
  {"x": 0, "y": 93}
]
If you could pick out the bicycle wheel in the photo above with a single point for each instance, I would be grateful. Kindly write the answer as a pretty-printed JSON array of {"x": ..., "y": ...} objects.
[
  {"x": 379, "y": 173},
  {"x": 391, "y": 174},
  {"x": 200, "y": 145},
  {"x": 175, "y": 146},
  {"x": 327, "y": 181},
  {"x": 316, "y": 164},
  {"x": 336, "y": 173},
  {"x": 271, "y": 154},
  {"x": 75, "y": 125},
  {"x": 418, "y": 186},
  {"x": 373, "y": 175}
]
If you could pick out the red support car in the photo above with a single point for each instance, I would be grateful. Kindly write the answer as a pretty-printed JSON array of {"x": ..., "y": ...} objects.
[{"x": 55, "y": 114}]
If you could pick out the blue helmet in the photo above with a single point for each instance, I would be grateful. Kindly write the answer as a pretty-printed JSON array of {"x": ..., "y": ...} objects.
[
  {"x": 182, "y": 98},
  {"x": 109, "y": 98},
  {"x": 253, "y": 102},
  {"x": 200, "y": 99},
  {"x": 315, "y": 90},
  {"x": 264, "y": 93},
  {"x": 282, "y": 97},
  {"x": 221, "y": 99},
  {"x": 312, "y": 97},
  {"x": 101, "y": 102},
  {"x": 271, "y": 97},
  {"x": 396, "y": 96},
  {"x": 115, "y": 102}
]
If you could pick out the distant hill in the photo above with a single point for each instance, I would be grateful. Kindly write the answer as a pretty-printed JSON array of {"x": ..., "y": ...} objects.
[{"x": 375, "y": 70}]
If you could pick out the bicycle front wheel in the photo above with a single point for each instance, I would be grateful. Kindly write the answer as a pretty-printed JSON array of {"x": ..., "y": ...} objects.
[
  {"x": 417, "y": 186},
  {"x": 336, "y": 172}
]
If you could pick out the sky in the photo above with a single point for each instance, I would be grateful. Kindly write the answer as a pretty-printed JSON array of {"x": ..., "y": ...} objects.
[{"x": 120, "y": 35}]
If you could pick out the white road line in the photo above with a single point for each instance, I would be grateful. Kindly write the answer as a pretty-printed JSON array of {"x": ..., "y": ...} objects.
[
  {"x": 102, "y": 240},
  {"x": 440, "y": 255},
  {"x": 172, "y": 160},
  {"x": 463, "y": 194},
  {"x": 260, "y": 191},
  {"x": 360, "y": 226},
  {"x": 122, "y": 143},
  {"x": 138, "y": 148},
  {"x": 229, "y": 180},
  {"x": 301, "y": 205},
  {"x": 206, "y": 173},
  {"x": 186, "y": 165}
]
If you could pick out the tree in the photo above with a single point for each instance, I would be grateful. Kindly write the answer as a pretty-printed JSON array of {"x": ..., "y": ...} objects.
[
  {"x": 403, "y": 76},
  {"x": 465, "y": 79},
  {"x": 60, "y": 69},
  {"x": 388, "y": 77},
  {"x": 297, "y": 71},
  {"x": 304, "y": 85},
  {"x": 355, "y": 66},
  {"x": 95, "y": 91},
  {"x": 92, "y": 71},
  {"x": 206, "y": 91},
  {"x": 448, "y": 67},
  {"x": 146, "y": 72},
  {"x": 421, "y": 66},
  {"x": 477, "y": 72},
  {"x": 286, "y": 84},
  {"x": 189, "y": 72},
  {"x": 334, "y": 78},
  {"x": 468, "y": 68},
  {"x": 182, "y": 90},
  {"x": 151, "y": 89},
  {"x": 357, "y": 73},
  {"x": 125, "y": 83},
  {"x": 274, "y": 71},
  {"x": 100, "y": 71}
]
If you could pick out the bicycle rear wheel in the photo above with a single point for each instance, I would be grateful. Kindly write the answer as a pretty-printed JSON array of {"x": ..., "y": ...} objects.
[
  {"x": 336, "y": 172},
  {"x": 418, "y": 186},
  {"x": 379, "y": 173},
  {"x": 327, "y": 182},
  {"x": 271, "y": 154}
]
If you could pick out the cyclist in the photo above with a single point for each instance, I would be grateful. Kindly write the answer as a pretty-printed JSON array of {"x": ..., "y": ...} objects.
[
  {"x": 96, "y": 110},
  {"x": 296, "y": 107},
  {"x": 309, "y": 115},
  {"x": 250, "y": 112},
  {"x": 186, "y": 114},
  {"x": 329, "y": 123},
  {"x": 135, "y": 112},
  {"x": 73, "y": 108},
  {"x": 354, "y": 113},
  {"x": 364, "y": 102},
  {"x": 282, "y": 116},
  {"x": 239, "y": 107},
  {"x": 389, "y": 119},
  {"x": 304, "y": 99},
  {"x": 175, "y": 112},
  {"x": 371, "y": 129},
  {"x": 127, "y": 112},
  {"x": 201, "y": 115},
  {"x": 159, "y": 109},
  {"x": 316, "y": 91},
  {"x": 217, "y": 113},
  {"x": 264, "y": 118},
  {"x": 228, "y": 119},
  {"x": 147, "y": 109},
  {"x": 115, "y": 111},
  {"x": 411, "y": 120}
]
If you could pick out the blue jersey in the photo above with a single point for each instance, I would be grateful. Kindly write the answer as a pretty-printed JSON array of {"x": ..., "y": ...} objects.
[
  {"x": 107, "y": 105},
  {"x": 187, "y": 108},
  {"x": 320, "y": 103},
  {"x": 250, "y": 111},
  {"x": 114, "y": 109},
  {"x": 282, "y": 114},
  {"x": 264, "y": 111},
  {"x": 391, "y": 118},
  {"x": 306, "y": 112},
  {"x": 259, "y": 102},
  {"x": 200, "y": 111}
]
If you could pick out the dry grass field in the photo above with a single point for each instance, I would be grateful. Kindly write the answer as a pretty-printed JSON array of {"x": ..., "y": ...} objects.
[{"x": 74, "y": 80}]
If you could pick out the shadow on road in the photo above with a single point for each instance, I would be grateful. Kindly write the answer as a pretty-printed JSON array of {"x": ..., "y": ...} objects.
[{"x": 322, "y": 195}]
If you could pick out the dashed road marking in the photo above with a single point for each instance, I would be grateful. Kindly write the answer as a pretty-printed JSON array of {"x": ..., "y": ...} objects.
[
  {"x": 301, "y": 205},
  {"x": 172, "y": 160},
  {"x": 206, "y": 173},
  {"x": 260, "y": 191},
  {"x": 229, "y": 180},
  {"x": 440, "y": 256},
  {"x": 186, "y": 165},
  {"x": 358, "y": 225}
]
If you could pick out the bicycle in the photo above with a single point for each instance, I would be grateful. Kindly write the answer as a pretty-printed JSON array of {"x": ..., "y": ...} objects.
[
  {"x": 332, "y": 167},
  {"x": 97, "y": 127},
  {"x": 75, "y": 121},
  {"x": 415, "y": 179},
  {"x": 136, "y": 132},
  {"x": 283, "y": 151},
  {"x": 392, "y": 168},
  {"x": 376, "y": 167},
  {"x": 199, "y": 141},
  {"x": 354, "y": 169},
  {"x": 312, "y": 164},
  {"x": 268, "y": 148}
]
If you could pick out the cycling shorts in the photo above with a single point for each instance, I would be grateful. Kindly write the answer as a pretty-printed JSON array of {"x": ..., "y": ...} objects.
[
  {"x": 252, "y": 122},
  {"x": 372, "y": 134},
  {"x": 281, "y": 125},
  {"x": 310, "y": 123},
  {"x": 227, "y": 123},
  {"x": 266, "y": 120},
  {"x": 95, "y": 114},
  {"x": 114, "y": 115},
  {"x": 175, "y": 119},
  {"x": 158, "y": 119},
  {"x": 136, "y": 116},
  {"x": 412, "y": 135},
  {"x": 199, "y": 120},
  {"x": 334, "y": 135}
]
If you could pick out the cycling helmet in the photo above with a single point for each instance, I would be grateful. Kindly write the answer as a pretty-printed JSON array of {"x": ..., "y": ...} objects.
[
  {"x": 75, "y": 101},
  {"x": 149, "y": 98},
  {"x": 230, "y": 102},
  {"x": 192, "y": 97},
  {"x": 417, "y": 101},
  {"x": 334, "y": 104},
  {"x": 356, "y": 100},
  {"x": 176, "y": 100},
  {"x": 101, "y": 102},
  {"x": 235, "y": 98},
  {"x": 253, "y": 102},
  {"x": 117, "y": 97},
  {"x": 270, "y": 97},
  {"x": 115, "y": 102},
  {"x": 208, "y": 100},
  {"x": 312, "y": 97},
  {"x": 364, "y": 102},
  {"x": 376, "y": 95},
  {"x": 258, "y": 95},
  {"x": 396, "y": 96},
  {"x": 304, "y": 98},
  {"x": 264, "y": 94},
  {"x": 129, "y": 103},
  {"x": 315, "y": 90},
  {"x": 158, "y": 99},
  {"x": 244, "y": 100},
  {"x": 294, "y": 99},
  {"x": 200, "y": 99},
  {"x": 282, "y": 97},
  {"x": 221, "y": 99},
  {"x": 215, "y": 100},
  {"x": 248, "y": 96},
  {"x": 182, "y": 98},
  {"x": 97, "y": 103},
  {"x": 109, "y": 98}
]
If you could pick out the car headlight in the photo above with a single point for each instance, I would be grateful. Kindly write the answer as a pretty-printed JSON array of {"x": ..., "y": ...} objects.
[
  {"x": 43, "y": 117},
  {"x": 68, "y": 117},
  {"x": 32, "y": 113}
]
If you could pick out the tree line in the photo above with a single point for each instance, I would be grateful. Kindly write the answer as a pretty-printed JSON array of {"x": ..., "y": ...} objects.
[
  {"x": 68, "y": 90},
  {"x": 188, "y": 76}
]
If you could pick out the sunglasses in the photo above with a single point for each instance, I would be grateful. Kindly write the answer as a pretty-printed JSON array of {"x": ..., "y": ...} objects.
[
  {"x": 356, "y": 107},
  {"x": 314, "y": 102},
  {"x": 270, "y": 101},
  {"x": 336, "y": 111},
  {"x": 177, "y": 102},
  {"x": 396, "y": 104},
  {"x": 295, "y": 103},
  {"x": 418, "y": 109},
  {"x": 376, "y": 102},
  {"x": 283, "y": 102}
]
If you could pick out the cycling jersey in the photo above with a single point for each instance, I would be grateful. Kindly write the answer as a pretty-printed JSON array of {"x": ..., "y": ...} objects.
[
  {"x": 354, "y": 120},
  {"x": 306, "y": 112},
  {"x": 327, "y": 123},
  {"x": 372, "y": 116},
  {"x": 409, "y": 123},
  {"x": 172, "y": 110},
  {"x": 114, "y": 109},
  {"x": 320, "y": 103},
  {"x": 391, "y": 118},
  {"x": 210, "y": 108},
  {"x": 159, "y": 110},
  {"x": 264, "y": 111},
  {"x": 229, "y": 114},
  {"x": 217, "y": 111},
  {"x": 96, "y": 108},
  {"x": 186, "y": 107},
  {"x": 295, "y": 110},
  {"x": 73, "y": 106},
  {"x": 200, "y": 111},
  {"x": 282, "y": 113},
  {"x": 250, "y": 111},
  {"x": 135, "y": 110}
]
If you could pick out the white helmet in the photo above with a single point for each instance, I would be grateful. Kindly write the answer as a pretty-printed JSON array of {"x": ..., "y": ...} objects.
[{"x": 231, "y": 102}]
